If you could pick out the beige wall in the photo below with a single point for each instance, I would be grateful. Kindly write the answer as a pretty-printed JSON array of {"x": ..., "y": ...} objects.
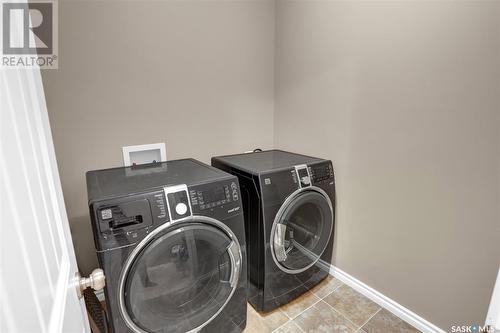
[
  {"x": 404, "y": 97},
  {"x": 197, "y": 75}
]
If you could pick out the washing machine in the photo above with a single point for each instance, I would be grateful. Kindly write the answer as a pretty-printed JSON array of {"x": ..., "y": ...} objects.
[
  {"x": 289, "y": 205},
  {"x": 170, "y": 238}
]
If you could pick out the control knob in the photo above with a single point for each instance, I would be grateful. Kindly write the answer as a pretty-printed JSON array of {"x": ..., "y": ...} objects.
[{"x": 181, "y": 208}]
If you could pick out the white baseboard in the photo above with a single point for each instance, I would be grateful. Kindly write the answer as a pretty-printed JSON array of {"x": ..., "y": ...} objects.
[
  {"x": 493, "y": 317},
  {"x": 385, "y": 302}
]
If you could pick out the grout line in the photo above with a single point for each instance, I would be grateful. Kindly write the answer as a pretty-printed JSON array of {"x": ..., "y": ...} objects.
[
  {"x": 396, "y": 309},
  {"x": 288, "y": 322},
  {"x": 331, "y": 292},
  {"x": 319, "y": 299},
  {"x": 335, "y": 289},
  {"x": 283, "y": 312},
  {"x": 291, "y": 318},
  {"x": 277, "y": 328},
  {"x": 300, "y": 328},
  {"x": 344, "y": 316},
  {"x": 366, "y": 322}
]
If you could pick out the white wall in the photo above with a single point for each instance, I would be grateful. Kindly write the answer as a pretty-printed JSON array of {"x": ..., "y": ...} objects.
[{"x": 404, "y": 97}]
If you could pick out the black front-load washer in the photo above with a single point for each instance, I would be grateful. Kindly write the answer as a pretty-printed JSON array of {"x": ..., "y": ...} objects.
[
  {"x": 289, "y": 201},
  {"x": 170, "y": 239}
]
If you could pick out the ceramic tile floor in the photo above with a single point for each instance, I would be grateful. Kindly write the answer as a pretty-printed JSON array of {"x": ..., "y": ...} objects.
[{"x": 330, "y": 307}]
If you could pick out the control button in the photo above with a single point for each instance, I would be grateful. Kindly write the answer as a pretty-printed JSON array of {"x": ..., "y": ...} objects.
[
  {"x": 181, "y": 208},
  {"x": 106, "y": 214}
]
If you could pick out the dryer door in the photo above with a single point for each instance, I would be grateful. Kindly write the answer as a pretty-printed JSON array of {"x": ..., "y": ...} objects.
[
  {"x": 180, "y": 277},
  {"x": 301, "y": 230}
]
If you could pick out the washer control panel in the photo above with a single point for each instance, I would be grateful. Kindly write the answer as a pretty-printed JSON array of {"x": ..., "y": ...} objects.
[
  {"x": 126, "y": 220},
  {"x": 215, "y": 195}
]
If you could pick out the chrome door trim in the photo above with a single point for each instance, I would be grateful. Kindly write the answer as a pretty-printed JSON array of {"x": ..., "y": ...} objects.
[
  {"x": 234, "y": 251},
  {"x": 279, "y": 242},
  {"x": 278, "y": 216}
]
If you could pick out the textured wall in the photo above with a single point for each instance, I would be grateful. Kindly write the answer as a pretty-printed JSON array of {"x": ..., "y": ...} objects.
[
  {"x": 197, "y": 75},
  {"x": 404, "y": 97}
]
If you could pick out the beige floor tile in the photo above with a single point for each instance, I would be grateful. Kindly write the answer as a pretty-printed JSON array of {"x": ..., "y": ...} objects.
[
  {"x": 289, "y": 327},
  {"x": 264, "y": 322},
  {"x": 354, "y": 306},
  {"x": 322, "y": 318},
  {"x": 295, "y": 307},
  {"x": 326, "y": 286},
  {"x": 386, "y": 322}
]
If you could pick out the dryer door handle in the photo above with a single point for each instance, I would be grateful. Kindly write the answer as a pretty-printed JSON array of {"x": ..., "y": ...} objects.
[
  {"x": 235, "y": 257},
  {"x": 279, "y": 242}
]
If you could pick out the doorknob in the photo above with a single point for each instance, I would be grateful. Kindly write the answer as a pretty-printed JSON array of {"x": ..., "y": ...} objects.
[{"x": 96, "y": 281}]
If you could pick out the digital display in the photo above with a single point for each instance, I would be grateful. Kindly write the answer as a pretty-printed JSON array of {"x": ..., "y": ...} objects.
[
  {"x": 322, "y": 173},
  {"x": 217, "y": 194}
]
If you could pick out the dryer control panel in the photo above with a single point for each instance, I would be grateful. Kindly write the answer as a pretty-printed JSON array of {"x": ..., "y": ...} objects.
[{"x": 321, "y": 172}]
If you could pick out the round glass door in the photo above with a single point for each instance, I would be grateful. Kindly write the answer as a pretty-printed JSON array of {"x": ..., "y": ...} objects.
[
  {"x": 180, "y": 279},
  {"x": 301, "y": 230}
]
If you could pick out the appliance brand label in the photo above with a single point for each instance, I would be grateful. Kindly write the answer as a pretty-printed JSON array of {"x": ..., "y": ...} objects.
[{"x": 235, "y": 209}]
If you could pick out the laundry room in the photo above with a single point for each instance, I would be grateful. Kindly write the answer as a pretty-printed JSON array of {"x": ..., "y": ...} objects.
[{"x": 250, "y": 166}]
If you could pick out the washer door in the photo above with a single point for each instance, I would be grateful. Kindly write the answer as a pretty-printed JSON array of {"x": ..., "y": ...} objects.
[
  {"x": 180, "y": 278},
  {"x": 301, "y": 230}
]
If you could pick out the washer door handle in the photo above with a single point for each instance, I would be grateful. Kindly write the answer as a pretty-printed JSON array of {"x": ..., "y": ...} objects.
[
  {"x": 279, "y": 242},
  {"x": 235, "y": 257}
]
